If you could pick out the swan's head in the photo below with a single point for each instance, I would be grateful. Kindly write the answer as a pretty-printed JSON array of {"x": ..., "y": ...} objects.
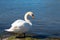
[{"x": 30, "y": 14}]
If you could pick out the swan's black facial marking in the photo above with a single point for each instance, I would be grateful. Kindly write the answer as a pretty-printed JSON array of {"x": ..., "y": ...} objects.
[{"x": 33, "y": 16}]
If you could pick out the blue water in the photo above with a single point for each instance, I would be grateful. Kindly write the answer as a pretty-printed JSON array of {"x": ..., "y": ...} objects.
[{"x": 47, "y": 15}]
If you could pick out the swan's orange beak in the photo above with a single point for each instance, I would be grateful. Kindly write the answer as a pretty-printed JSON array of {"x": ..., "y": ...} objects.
[{"x": 33, "y": 16}]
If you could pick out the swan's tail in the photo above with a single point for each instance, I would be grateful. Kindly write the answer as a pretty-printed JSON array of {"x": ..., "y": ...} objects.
[{"x": 8, "y": 30}]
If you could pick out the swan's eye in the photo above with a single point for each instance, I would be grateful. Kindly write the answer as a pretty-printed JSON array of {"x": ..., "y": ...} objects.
[{"x": 32, "y": 14}]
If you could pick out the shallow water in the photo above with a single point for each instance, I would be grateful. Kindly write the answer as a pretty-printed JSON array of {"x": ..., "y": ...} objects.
[{"x": 47, "y": 15}]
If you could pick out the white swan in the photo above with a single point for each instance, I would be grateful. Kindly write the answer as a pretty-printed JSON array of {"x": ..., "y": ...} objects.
[{"x": 21, "y": 26}]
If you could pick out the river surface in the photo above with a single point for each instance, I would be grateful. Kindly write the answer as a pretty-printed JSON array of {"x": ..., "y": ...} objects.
[{"x": 47, "y": 15}]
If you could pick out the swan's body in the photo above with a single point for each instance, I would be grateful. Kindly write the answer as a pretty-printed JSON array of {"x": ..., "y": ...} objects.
[{"x": 21, "y": 26}]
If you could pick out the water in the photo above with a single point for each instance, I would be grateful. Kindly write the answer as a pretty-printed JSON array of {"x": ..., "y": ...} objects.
[{"x": 47, "y": 15}]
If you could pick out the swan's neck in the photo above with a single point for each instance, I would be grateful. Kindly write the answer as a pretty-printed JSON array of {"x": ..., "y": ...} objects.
[{"x": 26, "y": 19}]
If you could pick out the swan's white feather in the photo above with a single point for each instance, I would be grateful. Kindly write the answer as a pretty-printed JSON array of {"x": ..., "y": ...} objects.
[{"x": 18, "y": 22}]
